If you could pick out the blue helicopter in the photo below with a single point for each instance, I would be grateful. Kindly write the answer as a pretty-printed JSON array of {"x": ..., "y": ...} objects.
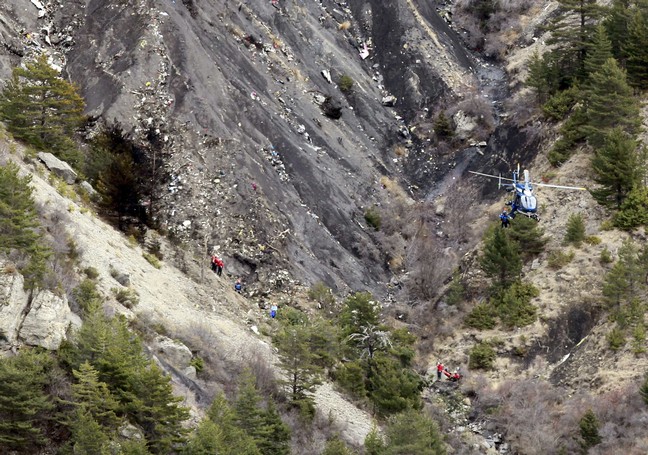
[{"x": 524, "y": 201}]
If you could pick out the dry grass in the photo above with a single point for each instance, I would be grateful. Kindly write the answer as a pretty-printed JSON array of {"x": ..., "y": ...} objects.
[{"x": 346, "y": 25}]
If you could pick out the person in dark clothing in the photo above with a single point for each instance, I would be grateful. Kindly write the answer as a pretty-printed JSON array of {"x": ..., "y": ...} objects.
[
  {"x": 238, "y": 286},
  {"x": 504, "y": 217}
]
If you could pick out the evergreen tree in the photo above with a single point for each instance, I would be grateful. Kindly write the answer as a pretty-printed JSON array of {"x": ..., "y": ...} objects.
[
  {"x": 616, "y": 24},
  {"x": 575, "y": 230},
  {"x": 412, "y": 432},
  {"x": 19, "y": 225},
  {"x": 234, "y": 441},
  {"x": 538, "y": 77},
  {"x": 93, "y": 397},
  {"x": 589, "y": 426},
  {"x": 133, "y": 447},
  {"x": 43, "y": 109},
  {"x": 625, "y": 282},
  {"x": 154, "y": 408},
  {"x": 599, "y": 50},
  {"x": 501, "y": 258},
  {"x": 373, "y": 443},
  {"x": 635, "y": 50},
  {"x": 571, "y": 30},
  {"x": 609, "y": 103},
  {"x": 529, "y": 235},
  {"x": 118, "y": 187},
  {"x": 391, "y": 388},
  {"x": 442, "y": 127},
  {"x": 616, "y": 169},
  {"x": 23, "y": 401},
  {"x": 298, "y": 361},
  {"x": 634, "y": 209},
  {"x": 88, "y": 437},
  {"x": 359, "y": 310},
  {"x": 207, "y": 439},
  {"x": 336, "y": 446},
  {"x": 278, "y": 442}
]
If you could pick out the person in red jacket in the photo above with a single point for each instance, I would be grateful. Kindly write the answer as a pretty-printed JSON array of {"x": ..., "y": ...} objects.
[
  {"x": 439, "y": 370},
  {"x": 219, "y": 266}
]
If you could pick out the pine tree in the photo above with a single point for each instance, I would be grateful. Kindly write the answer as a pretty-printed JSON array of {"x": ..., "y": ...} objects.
[
  {"x": 539, "y": 77},
  {"x": 88, "y": 437},
  {"x": 575, "y": 230},
  {"x": 392, "y": 388},
  {"x": 207, "y": 439},
  {"x": 336, "y": 446},
  {"x": 529, "y": 235},
  {"x": 154, "y": 408},
  {"x": 19, "y": 225},
  {"x": 373, "y": 443},
  {"x": 599, "y": 50},
  {"x": 634, "y": 209},
  {"x": 359, "y": 310},
  {"x": 118, "y": 187},
  {"x": 94, "y": 398},
  {"x": 442, "y": 126},
  {"x": 43, "y": 109},
  {"x": 278, "y": 442},
  {"x": 298, "y": 361},
  {"x": 616, "y": 169},
  {"x": 235, "y": 441},
  {"x": 616, "y": 24},
  {"x": 635, "y": 50},
  {"x": 23, "y": 401},
  {"x": 571, "y": 30},
  {"x": 609, "y": 103},
  {"x": 589, "y": 426},
  {"x": 501, "y": 258},
  {"x": 412, "y": 432}
]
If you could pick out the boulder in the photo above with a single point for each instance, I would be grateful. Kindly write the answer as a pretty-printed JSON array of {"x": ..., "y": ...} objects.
[
  {"x": 465, "y": 125},
  {"x": 58, "y": 167},
  {"x": 173, "y": 352},
  {"x": 47, "y": 322}
]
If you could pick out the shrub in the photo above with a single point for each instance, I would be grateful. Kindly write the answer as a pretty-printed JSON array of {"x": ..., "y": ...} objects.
[
  {"x": 345, "y": 83},
  {"x": 321, "y": 294},
  {"x": 593, "y": 240},
  {"x": 559, "y": 105},
  {"x": 153, "y": 260},
  {"x": 482, "y": 356},
  {"x": 634, "y": 210},
  {"x": 558, "y": 259},
  {"x": 482, "y": 317},
  {"x": 639, "y": 339},
  {"x": 91, "y": 273},
  {"x": 513, "y": 305},
  {"x": 606, "y": 256},
  {"x": 575, "y": 230},
  {"x": 198, "y": 363},
  {"x": 127, "y": 297},
  {"x": 616, "y": 339},
  {"x": 372, "y": 217}
]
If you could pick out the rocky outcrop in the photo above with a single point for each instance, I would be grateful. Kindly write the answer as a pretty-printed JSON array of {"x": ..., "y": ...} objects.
[
  {"x": 42, "y": 320},
  {"x": 58, "y": 167}
]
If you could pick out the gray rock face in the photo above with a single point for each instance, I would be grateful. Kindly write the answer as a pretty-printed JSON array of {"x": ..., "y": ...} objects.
[
  {"x": 173, "y": 352},
  {"x": 47, "y": 322},
  {"x": 44, "y": 323},
  {"x": 58, "y": 167},
  {"x": 13, "y": 301}
]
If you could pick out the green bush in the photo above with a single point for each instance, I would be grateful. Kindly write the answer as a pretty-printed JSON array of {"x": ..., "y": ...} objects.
[
  {"x": 634, "y": 210},
  {"x": 345, "y": 83},
  {"x": 91, "y": 273},
  {"x": 606, "y": 256},
  {"x": 575, "y": 230},
  {"x": 482, "y": 317},
  {"x": 560, "y": 104},
  {"x": 127, "y": 297},
  {"x": 198, "y": 363},
  {"x": 616, "y": 339},
  {"x": 558, "y": 259},
  {"x": 482, "y": 356},
  {"x": 153, "y": 260},
  {"x": 321, "y": 294},
  {"x": 514, "y": 306},
  {"x": 372, "y": 217},
  {"x": 593, "y": 240}
]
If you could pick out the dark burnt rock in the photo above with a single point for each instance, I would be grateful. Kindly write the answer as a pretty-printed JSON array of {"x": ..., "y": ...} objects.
[{"x": 332, "y": 108}]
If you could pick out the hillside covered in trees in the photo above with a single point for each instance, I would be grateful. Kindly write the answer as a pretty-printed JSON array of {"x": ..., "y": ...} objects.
[{"x": 321, "y": 151}]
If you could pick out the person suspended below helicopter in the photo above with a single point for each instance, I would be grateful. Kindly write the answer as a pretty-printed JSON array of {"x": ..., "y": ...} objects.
[{"x": 504, "y": 218}]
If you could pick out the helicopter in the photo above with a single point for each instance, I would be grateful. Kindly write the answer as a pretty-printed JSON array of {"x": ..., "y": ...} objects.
[{"x": 524, "y": 201}]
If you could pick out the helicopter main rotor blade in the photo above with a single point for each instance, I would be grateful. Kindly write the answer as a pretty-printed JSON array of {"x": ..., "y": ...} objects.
[
  {"x": 580, "y": 188},
  {"x": 491, "y": 176}
]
